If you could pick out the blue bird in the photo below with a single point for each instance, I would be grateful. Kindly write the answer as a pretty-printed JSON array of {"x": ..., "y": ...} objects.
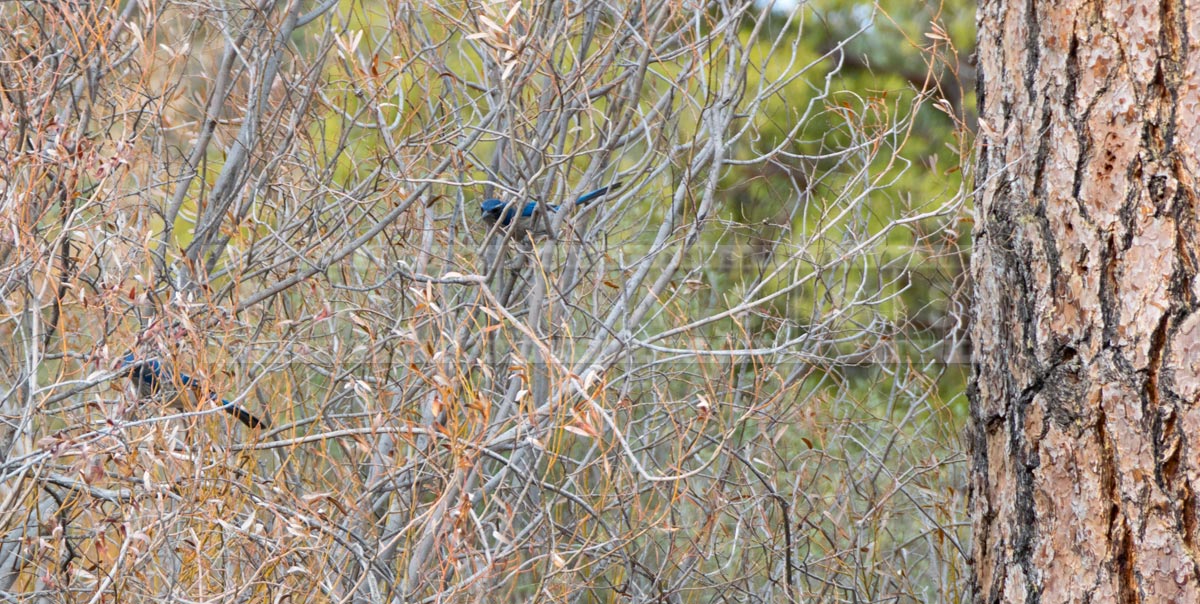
[
  {"x": 494, "y": 210},
  {"x": 153, "y": 378}
]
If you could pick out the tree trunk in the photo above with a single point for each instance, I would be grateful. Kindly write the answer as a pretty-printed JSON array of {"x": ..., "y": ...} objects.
[{"x": 1085, "y": 435}]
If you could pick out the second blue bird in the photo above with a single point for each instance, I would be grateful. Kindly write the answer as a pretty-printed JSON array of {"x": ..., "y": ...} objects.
[
  {"x": 155, "y": 379},
  {"x": 496, "y": 210}
]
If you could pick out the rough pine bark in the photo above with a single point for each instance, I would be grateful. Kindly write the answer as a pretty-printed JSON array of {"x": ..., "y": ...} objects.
[{"x": 1085, "y": 434}]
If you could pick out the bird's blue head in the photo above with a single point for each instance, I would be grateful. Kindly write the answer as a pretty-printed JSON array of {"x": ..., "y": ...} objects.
[
  {"x": 492, "y": 207},
  {"x": 146, "y": 371}
]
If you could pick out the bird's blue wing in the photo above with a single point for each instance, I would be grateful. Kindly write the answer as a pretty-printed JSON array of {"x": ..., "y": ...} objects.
[{"x": 529, "y": 208}]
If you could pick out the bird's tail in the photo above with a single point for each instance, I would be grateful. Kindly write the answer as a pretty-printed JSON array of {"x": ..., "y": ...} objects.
[
  {"x": 244, "y": 416},
  {"x": 589, "y": 197}
]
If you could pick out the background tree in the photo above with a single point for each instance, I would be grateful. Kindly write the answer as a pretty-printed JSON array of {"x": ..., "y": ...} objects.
[
  {"x": 1084, "y": 390},
  {"x": 725, "y": 381}
]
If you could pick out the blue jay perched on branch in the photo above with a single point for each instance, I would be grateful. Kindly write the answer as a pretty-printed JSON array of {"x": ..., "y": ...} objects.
[
  {"x": 153, "y": 378},
  {"x": 495, "y": 210}
]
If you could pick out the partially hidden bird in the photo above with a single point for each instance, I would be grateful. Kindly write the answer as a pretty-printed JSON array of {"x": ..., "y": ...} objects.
[
  {"x": 155, "y": 379},
  {"x": 496, "y": 210}
]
